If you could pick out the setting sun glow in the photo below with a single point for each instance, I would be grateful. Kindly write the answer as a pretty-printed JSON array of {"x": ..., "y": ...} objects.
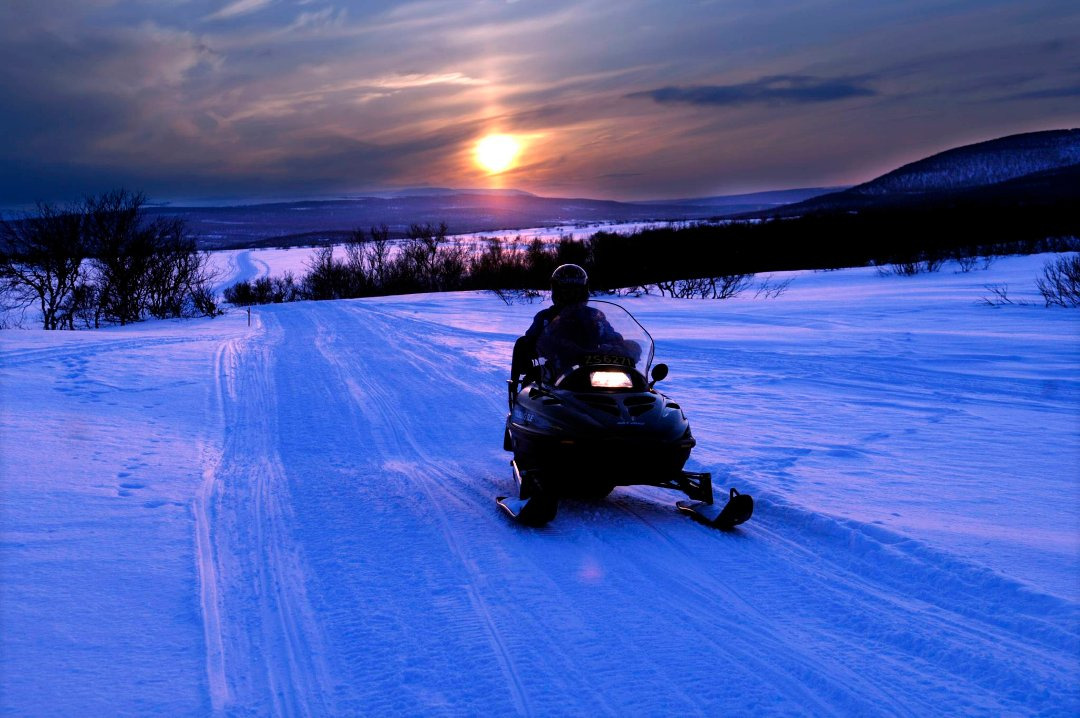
[{"x": 496, "y": 153}]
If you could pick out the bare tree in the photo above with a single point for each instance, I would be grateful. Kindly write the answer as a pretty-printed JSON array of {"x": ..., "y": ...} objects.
[
  {"x": 122, "y": 253},
  {"x": 451, "y": 266},
  {"x": 359, "y": 282},
  {"x": 41, "y": 262},
  {"x": 1060, "y": 283},
  {"x": 172, "y": 265},
  {"x": 377, "y": 256},
  {"x": 419, "y": 259},
  {"x": 326, "y": 276},
  {"x": 143, "y": 267}
]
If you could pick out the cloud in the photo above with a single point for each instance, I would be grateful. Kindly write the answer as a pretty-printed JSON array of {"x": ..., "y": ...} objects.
[
  {"x": 772, "y": 90},
  {"x": 327, "y": 17},
  {"x": 196, "y": 96},
  {"x": 240, "y": 7},
  {"x": 415, "y": 79}
]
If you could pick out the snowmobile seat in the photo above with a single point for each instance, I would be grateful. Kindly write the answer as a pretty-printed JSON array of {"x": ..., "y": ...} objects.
[{"x": 521, "y": 365}]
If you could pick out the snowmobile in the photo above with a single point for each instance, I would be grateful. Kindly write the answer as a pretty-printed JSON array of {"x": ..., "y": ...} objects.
[{"x": 585, "y": 417}]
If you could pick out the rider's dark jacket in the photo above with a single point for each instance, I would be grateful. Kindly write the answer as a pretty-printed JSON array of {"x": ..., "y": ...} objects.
[{"x": 563, "y": 334}]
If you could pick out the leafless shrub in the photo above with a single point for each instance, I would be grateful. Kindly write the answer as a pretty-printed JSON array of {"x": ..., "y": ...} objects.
[
  {"x": 999, "y": 295},
  {"x": 141, "y": 268},
  {"x": 1060, "y": 282},
  {"x": 971, "y": 261},
  {"x": 911, "y": 267},
  {"x": 768, "y": 289},
  {"x": 420, "y": 253},
  {"x": 933, "y": 263},
  {"x": 265, "y": 290},
  {"x": 721, "y": 287},
  {"x": 517, "y": 296},
  {"x": 967, "y": 263}
]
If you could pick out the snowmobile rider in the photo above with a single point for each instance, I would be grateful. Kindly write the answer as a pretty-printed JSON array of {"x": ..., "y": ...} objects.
[{"x": 569, "y": 328}]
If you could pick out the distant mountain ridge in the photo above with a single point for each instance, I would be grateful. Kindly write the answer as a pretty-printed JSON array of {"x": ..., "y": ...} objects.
[
  {"x": 1028, "y": 167},
  {"x": 775, "y": 197},
  {"x": 982, "y": 163},
  {"x": 464, "y": 211}
]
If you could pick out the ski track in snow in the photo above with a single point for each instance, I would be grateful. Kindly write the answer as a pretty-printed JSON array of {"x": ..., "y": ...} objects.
[{"x": 349, "y": 558}]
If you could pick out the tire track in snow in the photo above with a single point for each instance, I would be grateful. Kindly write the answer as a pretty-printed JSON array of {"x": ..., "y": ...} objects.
[
  {"x": 763, "y": 637},
  {"x": 263, "y": 642},
  {"x": 400, "y": 442},
  {"x": 209, "y": 587}
]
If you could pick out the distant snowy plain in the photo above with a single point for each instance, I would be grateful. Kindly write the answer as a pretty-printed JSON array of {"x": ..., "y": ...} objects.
[{"x": 297, "y": 517}]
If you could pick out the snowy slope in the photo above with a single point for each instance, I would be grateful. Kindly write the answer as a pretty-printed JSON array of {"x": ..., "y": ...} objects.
[
  {"x": 296, "y": 518},
  {"x": 982, "y": 163}
]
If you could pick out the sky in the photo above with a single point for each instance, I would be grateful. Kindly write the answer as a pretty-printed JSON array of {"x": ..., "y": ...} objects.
[{"x": 613, "y": 99}]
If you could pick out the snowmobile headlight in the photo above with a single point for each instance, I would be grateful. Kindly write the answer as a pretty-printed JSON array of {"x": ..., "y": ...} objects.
[{"x": 610, "y": 380}]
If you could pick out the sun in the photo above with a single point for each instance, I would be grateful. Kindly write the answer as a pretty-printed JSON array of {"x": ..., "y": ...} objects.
[{"x": 496, "y": 153}]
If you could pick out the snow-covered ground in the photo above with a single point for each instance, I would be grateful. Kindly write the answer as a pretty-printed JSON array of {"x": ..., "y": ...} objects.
[{"x": 297, "y": 518}]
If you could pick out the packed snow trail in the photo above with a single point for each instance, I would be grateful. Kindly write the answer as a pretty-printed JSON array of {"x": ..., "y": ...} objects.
[
  {"x": 297, "y": 518},
  {"x": 238, "y": 265},
  {"x": 380, "y": 579}
]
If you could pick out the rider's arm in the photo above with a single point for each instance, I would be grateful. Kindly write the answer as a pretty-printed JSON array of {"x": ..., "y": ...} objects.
[{"x": 539, "y": 322}]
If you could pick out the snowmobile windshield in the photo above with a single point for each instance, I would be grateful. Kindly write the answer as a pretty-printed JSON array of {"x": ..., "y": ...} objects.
[{"x": 594, "y": 334}]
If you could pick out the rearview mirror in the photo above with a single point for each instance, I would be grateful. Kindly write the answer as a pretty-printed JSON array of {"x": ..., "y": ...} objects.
[{"x": 659, "y": 372}]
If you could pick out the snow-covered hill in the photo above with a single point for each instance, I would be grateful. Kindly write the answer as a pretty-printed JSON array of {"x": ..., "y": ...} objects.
[
  {"x": 297, "y": 517},
  {"x": 1015, "y": 174},
  {"x": 980, "y": 164}
]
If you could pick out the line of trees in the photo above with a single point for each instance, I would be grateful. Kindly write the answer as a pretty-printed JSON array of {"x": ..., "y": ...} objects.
[
  {"x": 427, "y": 260},
  {"x": 102, "y": 262},
  {"x": 907, "y": 236},
  {"x": 703, "y": 261}
]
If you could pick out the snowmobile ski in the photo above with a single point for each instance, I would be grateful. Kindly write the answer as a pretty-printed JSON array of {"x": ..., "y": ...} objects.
[
  {"x": 535, "y": 511},
  {"x": 738, "y": 509}
]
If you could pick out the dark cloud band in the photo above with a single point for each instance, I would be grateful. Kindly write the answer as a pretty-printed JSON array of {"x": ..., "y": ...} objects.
[{"x": 774, "y": 89}]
